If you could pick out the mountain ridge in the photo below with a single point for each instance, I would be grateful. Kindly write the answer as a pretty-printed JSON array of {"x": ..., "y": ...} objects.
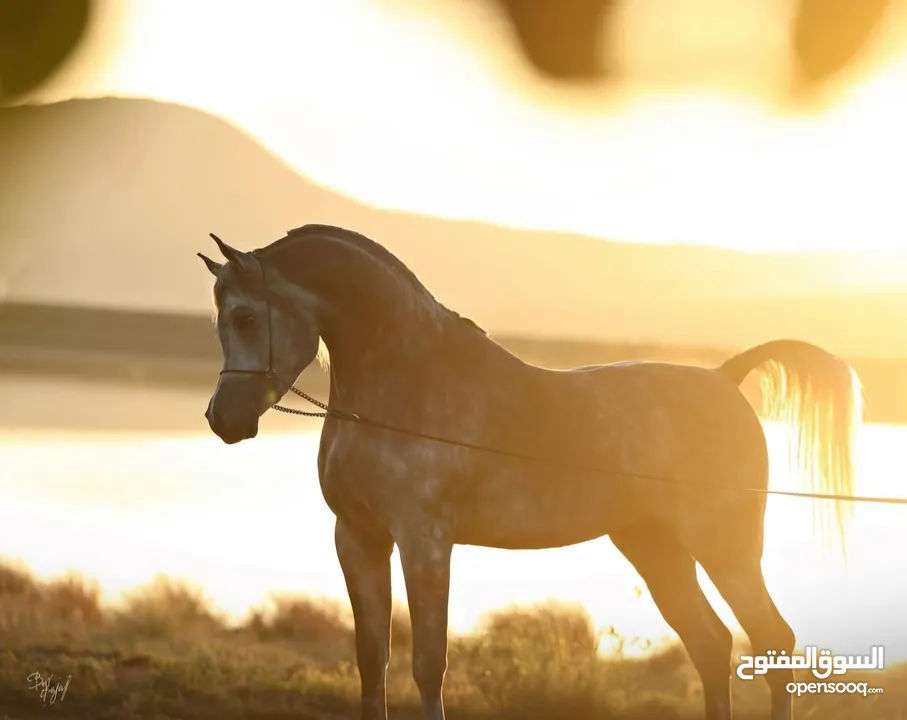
[{"x": 105, "y": 201}]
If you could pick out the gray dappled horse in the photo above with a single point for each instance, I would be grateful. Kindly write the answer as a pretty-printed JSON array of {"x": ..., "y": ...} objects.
[{"x": 661, "y": 457}]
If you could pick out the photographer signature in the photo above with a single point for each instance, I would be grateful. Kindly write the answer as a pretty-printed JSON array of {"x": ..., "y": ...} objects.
[{"x": 48, "y": 688}]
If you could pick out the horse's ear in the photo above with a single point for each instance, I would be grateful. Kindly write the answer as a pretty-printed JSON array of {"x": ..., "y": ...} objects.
[
  {"x": 213, "y": 267},
  {"x": 239, "y": 258}
]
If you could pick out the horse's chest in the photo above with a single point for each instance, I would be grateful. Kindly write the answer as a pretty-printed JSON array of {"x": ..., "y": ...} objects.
[
  {"x": 358, "y": 472},
  {"x": 342, "y": 468},
  {"x": 353, "y": 475}
]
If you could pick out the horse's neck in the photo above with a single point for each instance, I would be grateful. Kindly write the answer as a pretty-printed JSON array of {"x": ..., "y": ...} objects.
[
  {"x": 367, "y": 355},
  {"x": 371, "y": 359},
  {"x": 375, "y": 368},
  {"x": 385, "y": 333},
  {"x": 351, "y": 278}
]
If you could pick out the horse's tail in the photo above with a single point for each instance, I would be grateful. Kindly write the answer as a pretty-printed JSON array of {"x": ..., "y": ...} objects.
[{"x": 820, "y": 398}]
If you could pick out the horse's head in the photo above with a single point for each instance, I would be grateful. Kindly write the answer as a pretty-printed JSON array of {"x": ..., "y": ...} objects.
[{"x": 268, "y": 332}]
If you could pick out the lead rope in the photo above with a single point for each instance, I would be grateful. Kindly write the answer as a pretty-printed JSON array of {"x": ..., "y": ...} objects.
[{"x": 330, "y": 412}]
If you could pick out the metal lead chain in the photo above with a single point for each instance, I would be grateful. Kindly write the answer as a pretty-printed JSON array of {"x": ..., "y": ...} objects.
[{"x": 317, "y": 403}]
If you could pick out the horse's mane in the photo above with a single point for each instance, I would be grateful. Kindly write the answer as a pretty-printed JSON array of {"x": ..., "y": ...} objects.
[{"x": 368, "y": 246}]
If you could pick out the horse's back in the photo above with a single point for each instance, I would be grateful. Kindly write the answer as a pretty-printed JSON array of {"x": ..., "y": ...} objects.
[{"x": 685, "y": 407}]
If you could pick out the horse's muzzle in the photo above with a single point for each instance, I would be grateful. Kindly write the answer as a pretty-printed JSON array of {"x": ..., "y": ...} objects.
[{"x": 230, "y": 433}]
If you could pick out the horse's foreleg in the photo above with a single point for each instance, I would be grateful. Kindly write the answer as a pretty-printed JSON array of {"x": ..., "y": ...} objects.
[
  {"x": 425, "y": 556},
  {"x": 365, "y": 561}
]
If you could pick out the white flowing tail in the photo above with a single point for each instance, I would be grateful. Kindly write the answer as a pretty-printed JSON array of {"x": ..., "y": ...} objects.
[{"x": 819, "y": 396}]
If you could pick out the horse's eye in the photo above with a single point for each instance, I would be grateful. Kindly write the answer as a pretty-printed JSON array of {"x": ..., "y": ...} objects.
[{"x": 243, "y": 322}]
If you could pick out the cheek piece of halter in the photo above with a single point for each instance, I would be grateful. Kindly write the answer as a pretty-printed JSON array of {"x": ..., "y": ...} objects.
[
  {"x": 271, "y": 375},
  {"x": 269, "y": 371}
]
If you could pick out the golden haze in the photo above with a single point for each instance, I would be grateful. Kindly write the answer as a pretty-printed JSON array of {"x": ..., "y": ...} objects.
[{"x": 403, "y": 150}]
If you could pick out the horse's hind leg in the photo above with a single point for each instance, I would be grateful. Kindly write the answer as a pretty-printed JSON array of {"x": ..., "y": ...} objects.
[
  {"x": 669, "y": 572},
  {"x": 735, "y": 567}
]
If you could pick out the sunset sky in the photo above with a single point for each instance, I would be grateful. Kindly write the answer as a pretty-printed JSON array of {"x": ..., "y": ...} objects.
[{"x": 394, "y": 103}]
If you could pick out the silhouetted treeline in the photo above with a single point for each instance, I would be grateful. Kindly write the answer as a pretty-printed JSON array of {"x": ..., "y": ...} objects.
[{"x": 157, "y": 349}]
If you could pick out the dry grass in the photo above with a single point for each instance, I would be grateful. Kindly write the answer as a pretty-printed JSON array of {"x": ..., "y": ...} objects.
[{"x": 165, "y": 655}]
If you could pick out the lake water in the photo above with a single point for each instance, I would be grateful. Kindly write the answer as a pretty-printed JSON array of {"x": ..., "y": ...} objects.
[{"x": 248, "y": 520}]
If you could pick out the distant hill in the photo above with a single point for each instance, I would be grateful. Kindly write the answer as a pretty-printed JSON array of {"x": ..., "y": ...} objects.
[{"x": 104, "y": 202}]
